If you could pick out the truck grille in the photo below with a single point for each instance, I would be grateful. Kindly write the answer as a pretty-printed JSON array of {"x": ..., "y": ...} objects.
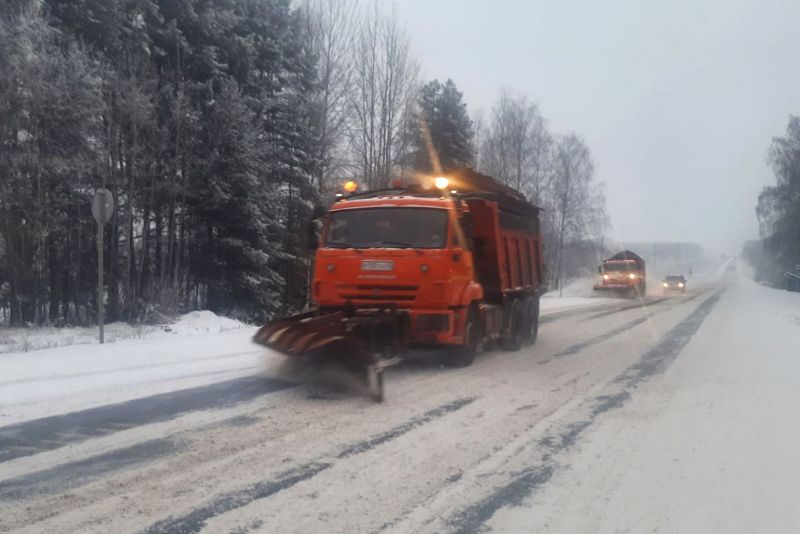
[{"x": 377, "y": 292}]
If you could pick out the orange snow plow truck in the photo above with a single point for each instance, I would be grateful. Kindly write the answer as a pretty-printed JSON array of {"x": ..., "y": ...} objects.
[
  {"x": 453, "y": 262},
  {"x": 623, "y": 273}
]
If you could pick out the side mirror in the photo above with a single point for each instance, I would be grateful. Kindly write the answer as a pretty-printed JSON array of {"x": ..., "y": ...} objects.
[
  {"x": 314, "y": 226},
  {"x": 311, "y": 235},
  {"x": 318, "y": 212}
]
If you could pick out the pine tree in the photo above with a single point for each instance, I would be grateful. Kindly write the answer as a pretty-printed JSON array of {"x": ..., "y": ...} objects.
[{"x": 440, "y": 132}]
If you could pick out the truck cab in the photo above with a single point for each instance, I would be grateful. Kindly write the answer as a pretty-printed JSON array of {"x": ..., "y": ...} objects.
[
  {"x": 624, "y": 272},
  {"x": 400, "y": 250}
]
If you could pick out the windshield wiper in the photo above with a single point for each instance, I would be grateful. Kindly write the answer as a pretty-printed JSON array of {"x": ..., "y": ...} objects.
[
  {"x": 398, "y": 244},
  {"x": 338, "y": 245}
]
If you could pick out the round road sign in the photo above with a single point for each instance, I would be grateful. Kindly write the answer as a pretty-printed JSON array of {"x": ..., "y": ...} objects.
[{"x": 102, "y": 206}]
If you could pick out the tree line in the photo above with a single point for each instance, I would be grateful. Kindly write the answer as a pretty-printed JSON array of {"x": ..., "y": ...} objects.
[
  {"x": 556, "y": 172},
  {"x": 778, "y": 210},
  {"x": 218, "y": 126}
]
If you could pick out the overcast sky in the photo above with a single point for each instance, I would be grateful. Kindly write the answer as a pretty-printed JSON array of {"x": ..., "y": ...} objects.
[{"x": 677, "y": 99}]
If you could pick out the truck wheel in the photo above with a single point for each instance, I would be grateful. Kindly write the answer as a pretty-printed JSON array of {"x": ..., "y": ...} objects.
[
  {"x": 463, "y": 355},
  {"x": 531, "y": 331},
  {"x": 512, "y": 339}
]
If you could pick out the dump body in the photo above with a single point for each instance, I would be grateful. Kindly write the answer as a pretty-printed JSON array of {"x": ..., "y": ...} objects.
[
  {"x": 422, "y": 267},
  {"x": 624, "y": 272}
]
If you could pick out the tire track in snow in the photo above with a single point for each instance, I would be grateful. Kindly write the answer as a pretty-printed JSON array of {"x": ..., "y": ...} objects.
[
  {"x": 599, "y": 339},
  {"x": 72, "y": 475},
  {"x": 643, "y": 304},
  {"x": 654, "y": 361},
  {"x": 596, "y": 312},
  {"x": 195, "y": 520},
  {"x": 49, "y": 433},
  {"x": 619, "y": 330}
]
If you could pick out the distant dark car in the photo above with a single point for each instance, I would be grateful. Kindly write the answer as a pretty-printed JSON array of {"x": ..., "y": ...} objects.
[{"x": 675, "y": 282}]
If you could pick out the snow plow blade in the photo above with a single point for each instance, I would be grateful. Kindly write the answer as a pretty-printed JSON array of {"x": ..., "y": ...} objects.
[
  {"x": 358, "y": 338},
  {"x": 365, "y": 340},
  {"x": 304, "y": 333}
]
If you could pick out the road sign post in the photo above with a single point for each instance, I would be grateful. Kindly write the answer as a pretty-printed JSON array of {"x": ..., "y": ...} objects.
[{"x": 102, "y": 209}]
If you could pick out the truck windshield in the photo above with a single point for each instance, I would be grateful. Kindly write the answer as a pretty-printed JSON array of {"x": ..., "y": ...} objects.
[
  {"x": 611, "y": 267},
  {"x": 388, "y": 228}
]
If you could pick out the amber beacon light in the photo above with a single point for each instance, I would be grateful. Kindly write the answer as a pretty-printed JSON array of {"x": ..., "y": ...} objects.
[{"x": 441, "y": 182}]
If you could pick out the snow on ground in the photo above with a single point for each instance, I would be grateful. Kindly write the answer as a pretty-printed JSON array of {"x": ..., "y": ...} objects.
[
  {"x": 36, "y": 338},
  {"x": 48, "y": 370},
  {"x": 198, "y": 348},
  {"x": 709, "y": 446},
  {"x": 576, "y": 294}
]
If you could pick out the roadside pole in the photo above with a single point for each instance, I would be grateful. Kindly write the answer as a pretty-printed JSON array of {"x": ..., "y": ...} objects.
[{"x": 102, "y": 209}]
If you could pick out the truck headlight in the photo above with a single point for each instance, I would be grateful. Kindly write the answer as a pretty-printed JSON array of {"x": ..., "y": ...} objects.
[
  {"x": 605, "y": 277},
  {"x": 680, "y": 285},
  {"x": 632, "y": 276},
  {"x": 666, "y": 284}
]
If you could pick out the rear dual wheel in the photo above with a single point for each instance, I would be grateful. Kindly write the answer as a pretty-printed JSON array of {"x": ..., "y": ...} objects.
[
  {"x": 531, "y": 331},
  {"x": 524, "y": 327}
]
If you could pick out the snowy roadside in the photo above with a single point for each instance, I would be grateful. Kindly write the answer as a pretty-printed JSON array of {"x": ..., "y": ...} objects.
[
  {"x": 708, "y": 446},
  {"x": 37, "y": 338},
  {"x": 197, "y": 349}
]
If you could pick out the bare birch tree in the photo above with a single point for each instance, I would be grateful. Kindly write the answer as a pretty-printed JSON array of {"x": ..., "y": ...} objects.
[
  {"x": 330, "y": 35},
  {"x": 516, "y": 145},
  {"x": 384, "y": 78},
  {"x": 556, "y": 174},
  {"x": 577, "y": 208}
]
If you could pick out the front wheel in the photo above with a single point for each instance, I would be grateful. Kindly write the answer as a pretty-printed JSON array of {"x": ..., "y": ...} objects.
[{"x": 463, "y": 355}]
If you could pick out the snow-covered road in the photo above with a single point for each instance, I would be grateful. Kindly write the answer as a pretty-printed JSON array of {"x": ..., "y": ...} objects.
[{"x": 673, "y": 416}]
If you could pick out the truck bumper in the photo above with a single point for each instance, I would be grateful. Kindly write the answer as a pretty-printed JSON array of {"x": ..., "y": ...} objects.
[{"x": 615, "y": 287}]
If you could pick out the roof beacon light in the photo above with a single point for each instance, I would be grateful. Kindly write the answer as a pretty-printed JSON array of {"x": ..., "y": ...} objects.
[
  {"x": 350, "y": 186},
  {"x": 441, "y": 182}
]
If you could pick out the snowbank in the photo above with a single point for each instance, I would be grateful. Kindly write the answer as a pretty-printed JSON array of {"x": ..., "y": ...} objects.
[
  {"x": 197, "y": 349},
  {"x": 37, "y": 338}
]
